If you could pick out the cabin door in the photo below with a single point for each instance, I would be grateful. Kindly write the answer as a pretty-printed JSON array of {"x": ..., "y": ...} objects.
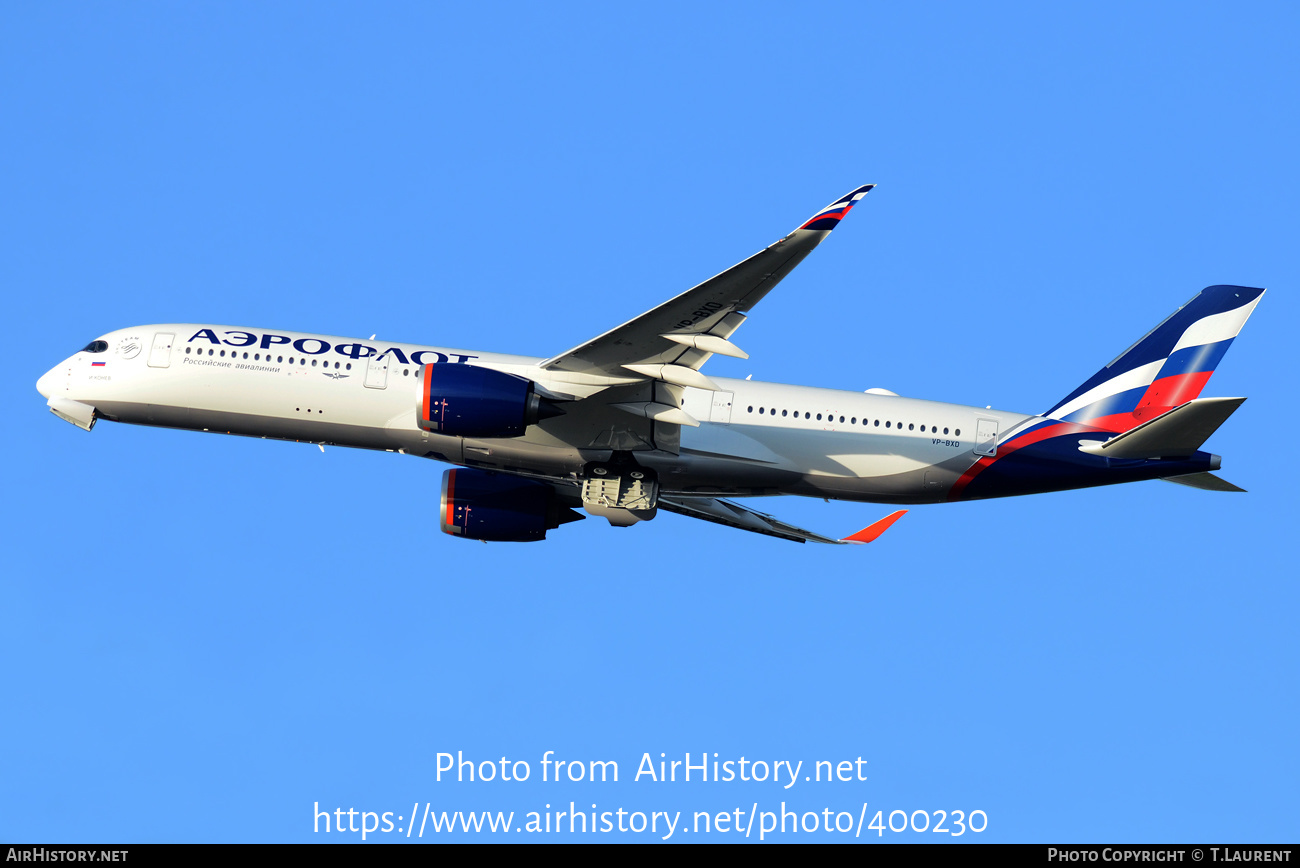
[
  {"x": 160, "y": 356},
  {"x": 721, "y": 410},
  {"x": 986, "y": 437},
  {"x": 377, "y": 371}
]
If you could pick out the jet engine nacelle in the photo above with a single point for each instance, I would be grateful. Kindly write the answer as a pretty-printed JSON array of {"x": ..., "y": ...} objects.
[
  {"x": 497, "y": 507},
  {"x": 467, "y": 401}
]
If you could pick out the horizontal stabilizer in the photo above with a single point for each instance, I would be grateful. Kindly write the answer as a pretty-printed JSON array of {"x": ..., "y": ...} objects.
[
  {"x": 1175, "y": 434},
  {"x": 1206, "y": 481}
]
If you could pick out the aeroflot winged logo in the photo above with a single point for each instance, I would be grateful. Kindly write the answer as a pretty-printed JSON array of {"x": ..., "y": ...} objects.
[{"x": 318, "y": 347}]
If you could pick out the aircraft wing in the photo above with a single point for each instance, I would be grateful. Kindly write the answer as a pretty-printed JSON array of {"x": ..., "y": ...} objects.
[
  {"x": 671, "y": 342},
  {"x": 732, "y": 514}
]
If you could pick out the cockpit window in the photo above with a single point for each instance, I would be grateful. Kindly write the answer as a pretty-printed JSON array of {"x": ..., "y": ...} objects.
[{"x": 96, "y": 347}]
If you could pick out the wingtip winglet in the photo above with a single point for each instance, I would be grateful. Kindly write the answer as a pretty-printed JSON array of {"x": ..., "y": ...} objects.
[
  {"x": 872, "y": 531},
  {"x": 829, "y": 217}
]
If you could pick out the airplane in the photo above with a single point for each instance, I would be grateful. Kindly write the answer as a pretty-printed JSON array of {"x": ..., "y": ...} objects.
[{"x": 627, "y": 423}]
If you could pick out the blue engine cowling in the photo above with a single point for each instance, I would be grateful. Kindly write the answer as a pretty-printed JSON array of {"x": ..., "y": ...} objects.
[
  {"x": 497, "y": 507},
  {"x": 467, "y": 401}
]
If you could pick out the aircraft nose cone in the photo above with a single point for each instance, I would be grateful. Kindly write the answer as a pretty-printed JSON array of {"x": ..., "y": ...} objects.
[{"x": 45, "y": 385}]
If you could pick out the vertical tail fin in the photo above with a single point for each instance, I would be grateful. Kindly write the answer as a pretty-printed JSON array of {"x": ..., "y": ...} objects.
[{"x": 1166, "y": 368}]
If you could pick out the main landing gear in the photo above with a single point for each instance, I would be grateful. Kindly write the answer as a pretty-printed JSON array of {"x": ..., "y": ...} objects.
[{"x": 620, "y": 490}]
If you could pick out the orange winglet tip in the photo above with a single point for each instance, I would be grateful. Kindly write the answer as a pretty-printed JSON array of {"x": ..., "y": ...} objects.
[{"x": 869, "y": 533}]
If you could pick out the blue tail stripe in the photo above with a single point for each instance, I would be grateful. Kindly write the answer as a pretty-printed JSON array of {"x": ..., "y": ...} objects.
[{"x": 1195, "y": 360}]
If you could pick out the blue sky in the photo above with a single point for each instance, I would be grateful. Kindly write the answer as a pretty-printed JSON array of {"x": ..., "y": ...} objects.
[{"x": 206, "y": 637}]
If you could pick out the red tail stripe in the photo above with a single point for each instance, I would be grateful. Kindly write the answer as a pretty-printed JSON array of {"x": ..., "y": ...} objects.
[
  {"x": 1169, "y": 392},
  {"x": 1116, "y": 422},
  {"x": 1007, "y": 448}
]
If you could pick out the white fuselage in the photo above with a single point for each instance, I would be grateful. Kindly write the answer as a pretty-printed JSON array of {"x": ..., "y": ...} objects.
[{"x": 754, "y": 438}]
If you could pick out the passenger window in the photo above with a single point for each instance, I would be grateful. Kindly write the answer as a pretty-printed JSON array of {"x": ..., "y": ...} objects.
[
  {"x": 911, "y": 426},
  {"x": 957, "y": 432}
]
